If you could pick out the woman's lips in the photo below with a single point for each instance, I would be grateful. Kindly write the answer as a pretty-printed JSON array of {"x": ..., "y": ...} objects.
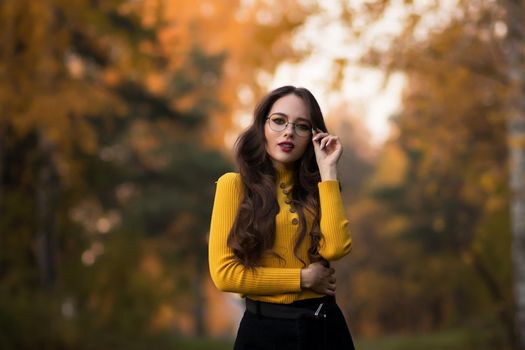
[{"x": 286, "y": 147}]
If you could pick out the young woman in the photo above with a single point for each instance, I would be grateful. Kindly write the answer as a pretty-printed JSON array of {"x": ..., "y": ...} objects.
[{"x": 278, "y": 223}]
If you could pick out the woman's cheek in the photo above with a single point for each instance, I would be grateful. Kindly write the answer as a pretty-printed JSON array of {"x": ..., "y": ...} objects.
[{"x": 301, "y": 149}]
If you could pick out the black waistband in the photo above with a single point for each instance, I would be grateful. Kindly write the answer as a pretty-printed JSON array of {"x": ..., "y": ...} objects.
[
  {"x": 307, "y": 308},
  {"x": 311, "y": 302}
]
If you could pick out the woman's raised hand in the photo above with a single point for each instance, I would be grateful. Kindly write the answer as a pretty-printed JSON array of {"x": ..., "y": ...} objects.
[
  {"x": 318, "y": 278},
  {"x": 328, "y": 150}
]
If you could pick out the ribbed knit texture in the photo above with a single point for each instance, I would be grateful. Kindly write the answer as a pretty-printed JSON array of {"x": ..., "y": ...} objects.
[{"x": 276, "y": 280}]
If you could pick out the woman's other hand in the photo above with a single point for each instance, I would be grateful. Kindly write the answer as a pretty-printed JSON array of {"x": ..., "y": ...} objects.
[{"x": 318, "y": 278}]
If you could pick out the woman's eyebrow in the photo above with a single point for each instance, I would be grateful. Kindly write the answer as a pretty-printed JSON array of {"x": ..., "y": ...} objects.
[
  {"x": 306, "y": 120},
  {"x": 287, "y": 117}
]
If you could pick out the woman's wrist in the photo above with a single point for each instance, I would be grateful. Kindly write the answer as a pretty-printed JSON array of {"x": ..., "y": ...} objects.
[
  {"x": 305, "y": 279},
  {"x": 329, "y": 173}
]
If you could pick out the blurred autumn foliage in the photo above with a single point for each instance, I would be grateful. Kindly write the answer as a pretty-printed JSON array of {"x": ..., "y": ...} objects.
[
  {"x": 113, "y": 119},
  {"x": 433, "y": 223},
  {"x": 111, "y": 116}
]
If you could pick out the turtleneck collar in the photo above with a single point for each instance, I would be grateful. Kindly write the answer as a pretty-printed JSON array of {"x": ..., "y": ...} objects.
[{"x": 284, "y": 175}]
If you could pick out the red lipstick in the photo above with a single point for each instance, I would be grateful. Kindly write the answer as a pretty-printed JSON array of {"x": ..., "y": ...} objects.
[{"x": 286, "y": 146}]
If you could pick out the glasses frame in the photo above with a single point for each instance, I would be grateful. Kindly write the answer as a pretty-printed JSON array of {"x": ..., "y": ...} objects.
[{"x": 286, "y": 126}]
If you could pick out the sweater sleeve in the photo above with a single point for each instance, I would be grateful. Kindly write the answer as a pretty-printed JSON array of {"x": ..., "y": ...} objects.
[
  {"x": 228, "y": 274},
  {"x": 337, "y": 241}
]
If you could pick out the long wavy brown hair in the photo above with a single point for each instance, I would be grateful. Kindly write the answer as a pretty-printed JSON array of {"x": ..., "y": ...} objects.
[{"x": 253, "y": 232}]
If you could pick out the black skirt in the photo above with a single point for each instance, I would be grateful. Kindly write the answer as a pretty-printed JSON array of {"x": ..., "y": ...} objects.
[{"x": 261, "y": 332}]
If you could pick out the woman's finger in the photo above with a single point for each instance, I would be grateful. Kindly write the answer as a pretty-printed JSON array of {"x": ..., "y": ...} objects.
[
  {"x": 329, "y": 140},
  {"x": 333, "y": 139},
  {"x": 329, "y": 292},
  {"x": 323, "y": 142},
  {"x": 319, "y": 136}
]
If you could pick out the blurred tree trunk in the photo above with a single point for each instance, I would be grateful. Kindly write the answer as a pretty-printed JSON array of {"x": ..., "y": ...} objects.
[
  {"x": 2, "y": 151},
  {"x": 515, "y": 51},
  {"x": 2, "y": 205},
  {"x": 46, "y": 188},
  {"x": 497, "y": 295}
]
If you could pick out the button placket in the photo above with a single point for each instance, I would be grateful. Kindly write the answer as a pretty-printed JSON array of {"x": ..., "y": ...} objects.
[
  {"x": 291, "y": 209},
  {"x": 288, "y": 201}
]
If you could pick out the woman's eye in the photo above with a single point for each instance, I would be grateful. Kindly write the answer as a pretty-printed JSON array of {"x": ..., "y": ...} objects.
[
  {"x": 304, "y": 127},
  {"x": 279, "y": 121}
]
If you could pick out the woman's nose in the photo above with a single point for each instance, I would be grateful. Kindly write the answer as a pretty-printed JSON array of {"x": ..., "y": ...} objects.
[{"x": 289, "y": 129}]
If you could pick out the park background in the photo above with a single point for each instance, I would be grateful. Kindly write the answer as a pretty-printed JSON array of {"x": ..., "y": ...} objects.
[{"x": 118, "y": 116}]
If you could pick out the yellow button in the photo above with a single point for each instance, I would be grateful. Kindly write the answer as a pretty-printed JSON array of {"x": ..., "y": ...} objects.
[
  {"x": 287, "y": 201},
  {"x": 286, "y": 192},
  {"x": 282, "y": 185},
  {"x": 295, "y": 221},
  {"x": 292, "y": 210}
]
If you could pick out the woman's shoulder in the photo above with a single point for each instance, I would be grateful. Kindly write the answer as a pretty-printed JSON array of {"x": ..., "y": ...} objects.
[{"x": 229, "y": 179}]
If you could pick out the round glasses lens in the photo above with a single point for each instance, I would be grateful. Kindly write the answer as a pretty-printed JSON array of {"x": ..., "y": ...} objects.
[
  {"x": 302, "y": 129},
  {"x": 279, "y": 123}
]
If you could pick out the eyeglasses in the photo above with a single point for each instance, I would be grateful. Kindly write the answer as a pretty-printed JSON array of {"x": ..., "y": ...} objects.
[{"x": 279, "y": 123}]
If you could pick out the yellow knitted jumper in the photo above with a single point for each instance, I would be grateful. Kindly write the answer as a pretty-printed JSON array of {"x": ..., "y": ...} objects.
[{"x": 275, "y": 281}]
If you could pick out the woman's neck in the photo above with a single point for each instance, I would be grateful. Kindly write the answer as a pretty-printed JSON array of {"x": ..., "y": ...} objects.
[
  {"x": 284, "y": 173},
  {"x": 282, "y": 167}
]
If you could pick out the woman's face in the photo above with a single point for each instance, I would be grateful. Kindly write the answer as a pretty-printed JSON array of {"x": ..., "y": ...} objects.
[{"x": 288, "y": 145}]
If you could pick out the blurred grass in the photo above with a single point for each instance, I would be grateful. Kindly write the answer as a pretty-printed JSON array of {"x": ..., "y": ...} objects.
[
  {"x": 203, "y": 344},
  {"x": 456, "y": 339},
  {"x": 158, "y": 342}
]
